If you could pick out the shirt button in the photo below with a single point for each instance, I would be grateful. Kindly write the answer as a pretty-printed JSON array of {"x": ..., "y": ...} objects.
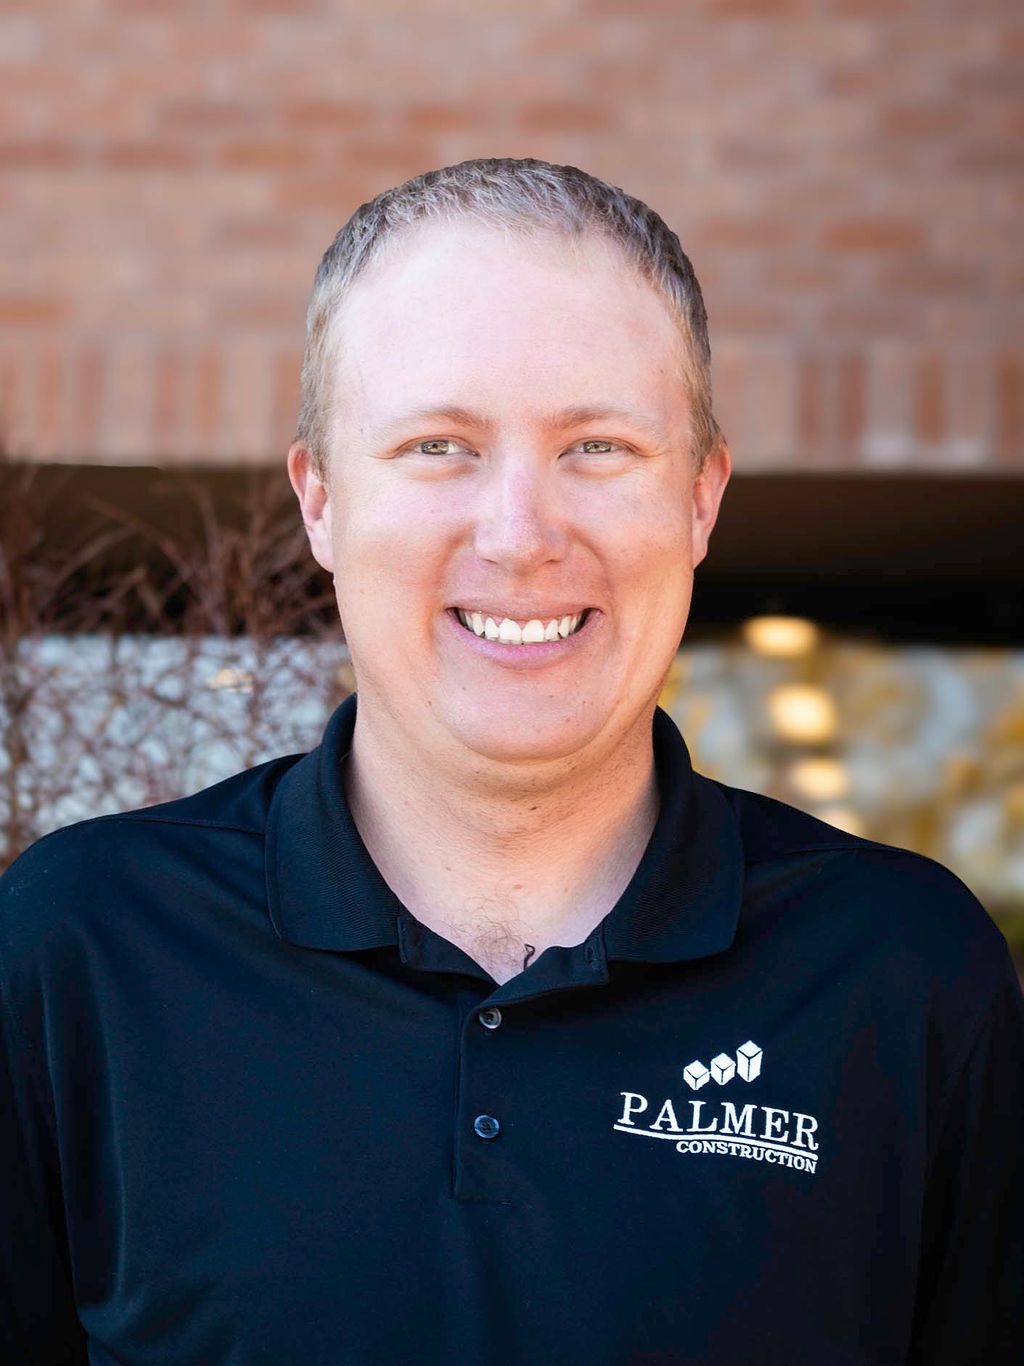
[
  {"x": 490, "y": 1017},
  {"x": 486, "y": 1126}
]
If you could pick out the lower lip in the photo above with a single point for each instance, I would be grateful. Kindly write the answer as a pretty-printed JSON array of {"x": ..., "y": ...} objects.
[{"x": 531, "y": 656}]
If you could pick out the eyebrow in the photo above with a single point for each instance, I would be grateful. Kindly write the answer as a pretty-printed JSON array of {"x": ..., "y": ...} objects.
[{"x": 555, "y": 422}]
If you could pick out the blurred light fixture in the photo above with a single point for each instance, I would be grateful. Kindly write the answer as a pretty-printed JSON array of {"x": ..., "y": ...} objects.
[
  {"x": 842, "y": 817},
  {"x": 820, "y": 778},
  {"x": 779, "y": 636},
  {"x": 802, "y": 713}
]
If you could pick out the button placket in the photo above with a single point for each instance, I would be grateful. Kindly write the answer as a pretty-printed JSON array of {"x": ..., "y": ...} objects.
[{"x": 484, "y": 1132}]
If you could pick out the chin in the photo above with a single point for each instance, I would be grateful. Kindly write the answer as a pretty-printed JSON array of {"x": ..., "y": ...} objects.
[{"x": 503, "y": 735}]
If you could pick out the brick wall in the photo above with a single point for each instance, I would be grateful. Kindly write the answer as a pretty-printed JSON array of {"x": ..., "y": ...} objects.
[{"x": 847, "y": 176}]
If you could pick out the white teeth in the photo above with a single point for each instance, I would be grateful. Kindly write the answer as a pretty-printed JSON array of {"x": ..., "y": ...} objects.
[{"x": 510, "y": 632}]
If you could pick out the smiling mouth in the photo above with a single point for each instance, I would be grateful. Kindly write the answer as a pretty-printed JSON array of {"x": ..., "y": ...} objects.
[{"x": 509, "y": 632}]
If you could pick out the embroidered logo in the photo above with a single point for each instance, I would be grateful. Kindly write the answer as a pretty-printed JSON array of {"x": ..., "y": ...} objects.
[
  {"x": 723, "y": 1068},
  {"x": 759, "y": 1133}
]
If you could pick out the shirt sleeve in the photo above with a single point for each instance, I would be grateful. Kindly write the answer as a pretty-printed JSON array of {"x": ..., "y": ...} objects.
[
  {"x": 38, "y": 1322},
  {"x": 970, "y": 1298}
]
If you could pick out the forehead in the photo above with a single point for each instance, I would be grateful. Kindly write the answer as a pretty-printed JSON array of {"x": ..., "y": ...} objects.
[{"x": 461, "y": 312}]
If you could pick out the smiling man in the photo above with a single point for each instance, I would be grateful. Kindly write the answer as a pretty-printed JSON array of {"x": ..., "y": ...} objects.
[
  {"x": 512, "y": 508},
  {"x": 489, "y": 1031}
]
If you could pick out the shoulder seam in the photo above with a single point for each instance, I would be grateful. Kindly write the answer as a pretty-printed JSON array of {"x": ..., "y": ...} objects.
[
  {"x": 803, "y": 849},
  {"x": 155, "y": 819},
  {"x": 864, "y": 846},
  {"x": 43, "y": 1100},
  {"x": 144, "y": 818},
  {"x": 956, "y": 1073}
]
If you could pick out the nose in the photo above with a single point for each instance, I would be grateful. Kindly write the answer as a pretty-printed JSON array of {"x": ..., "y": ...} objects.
[{"x": 519, "y": 526}]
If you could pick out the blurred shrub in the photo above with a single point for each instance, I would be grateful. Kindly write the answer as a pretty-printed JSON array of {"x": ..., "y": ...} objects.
[{"x": 139, "y": 662}]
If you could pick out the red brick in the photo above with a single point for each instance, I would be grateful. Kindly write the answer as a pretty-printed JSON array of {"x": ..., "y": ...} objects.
[
  {"x": 804, "y": 277},
  {"x": 33, "y": 310},
  {"x": 809, "y": 406},
  {"x": 50, "y": 392},
  {"x": 866, "y": 317},
  {"x": 851, "y": 397},
  {"x": 874, "y": 234},
  {"x": 567, "y": 116},
  {"x": 871, "y": 9},
  {"x": 259, "y": 312},
  {"x": 932, "y": 120},
  {"x": 847, "y": 176},
  {"x": 147, "y": 156},
  {"x": 987, "y": 80},
  {"x": 746, "y": 318},
  {"x": 38, "y": 154},
  {"x": 929, "y": 405},
  {"x": 332, "y": 201},
  {"x": 391, "y": 158},
  {"x": 252, "y": 154},
  {"x": 284, "y": 411},
  {"x": 758, "y": 234},
  {"x": 14, "y": 423},
  {"x": 929, "y": 278},
  {"x": 202, "y": 116},
  {"x": 1009, "y": 434},
  {"x": 256, "y": 231},
  {"x": 427, "y": 116},
  {"x": 991, "y": 158},
  {"x": 287, "y": 9},
  {"x": 760, "y": 155},
  {"x": 764, "y": 10},
  {"x": 327, "y": 115},
  {"x": 168, "y": 401},
  {"x": 203, "y": 38},
  {"x": 89, "y": 392},
  {"x": 207, "y": 410}
]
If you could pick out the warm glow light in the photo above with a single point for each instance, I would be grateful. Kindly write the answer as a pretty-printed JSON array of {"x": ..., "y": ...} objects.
[
  {"x": 802, "y": 713},
  {"x": 231, "y": 680},
  {"x": 820, "y": 779},
  {"x": 780, "y": 636},
  {"x": 842, "y": 817}
]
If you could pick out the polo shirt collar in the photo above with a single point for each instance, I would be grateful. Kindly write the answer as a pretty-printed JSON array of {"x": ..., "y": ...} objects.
[{"x": 325, "y": 892}]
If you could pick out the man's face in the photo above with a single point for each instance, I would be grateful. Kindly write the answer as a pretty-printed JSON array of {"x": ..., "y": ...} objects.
[{"x": 509, "y": 509}]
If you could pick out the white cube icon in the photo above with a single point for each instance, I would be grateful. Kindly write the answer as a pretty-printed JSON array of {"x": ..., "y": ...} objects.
[
  {"x": 696, "y": 1075},
  {"x": 723, "y": 1068},
  {"x": 748, "y": 1060}
]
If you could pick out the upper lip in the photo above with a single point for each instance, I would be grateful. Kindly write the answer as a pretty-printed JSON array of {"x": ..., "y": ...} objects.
[{"x": 520, "y": 613}]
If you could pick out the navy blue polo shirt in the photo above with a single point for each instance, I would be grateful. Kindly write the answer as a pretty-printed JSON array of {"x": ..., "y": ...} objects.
[{"x": 253, "y": 1113}]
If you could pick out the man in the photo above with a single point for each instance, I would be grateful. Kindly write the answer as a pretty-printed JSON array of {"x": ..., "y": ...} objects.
[{"x": 489, "y": 1031}]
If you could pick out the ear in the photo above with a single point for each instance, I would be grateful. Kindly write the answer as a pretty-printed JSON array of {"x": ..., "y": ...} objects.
[
  {"x": 708, "y": 488},
  {"x": 313, "y": 503}
]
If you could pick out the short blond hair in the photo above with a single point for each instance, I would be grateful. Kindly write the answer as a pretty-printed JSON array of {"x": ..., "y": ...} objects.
[{"x": 522, "y": 196}]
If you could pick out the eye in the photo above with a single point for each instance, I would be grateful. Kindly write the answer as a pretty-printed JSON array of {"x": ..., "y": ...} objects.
[
  {"x": 434, "y": 441},
  {"x": 599, "y": 446}
]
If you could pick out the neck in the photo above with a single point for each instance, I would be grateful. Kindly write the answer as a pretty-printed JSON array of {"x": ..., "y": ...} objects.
[{"x": 503, "y": 871}]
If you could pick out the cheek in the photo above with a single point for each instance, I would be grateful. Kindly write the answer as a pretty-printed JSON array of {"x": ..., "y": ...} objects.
[
  {"x": 652, "y": 547},
  {"x": 389, "y": 547}
]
